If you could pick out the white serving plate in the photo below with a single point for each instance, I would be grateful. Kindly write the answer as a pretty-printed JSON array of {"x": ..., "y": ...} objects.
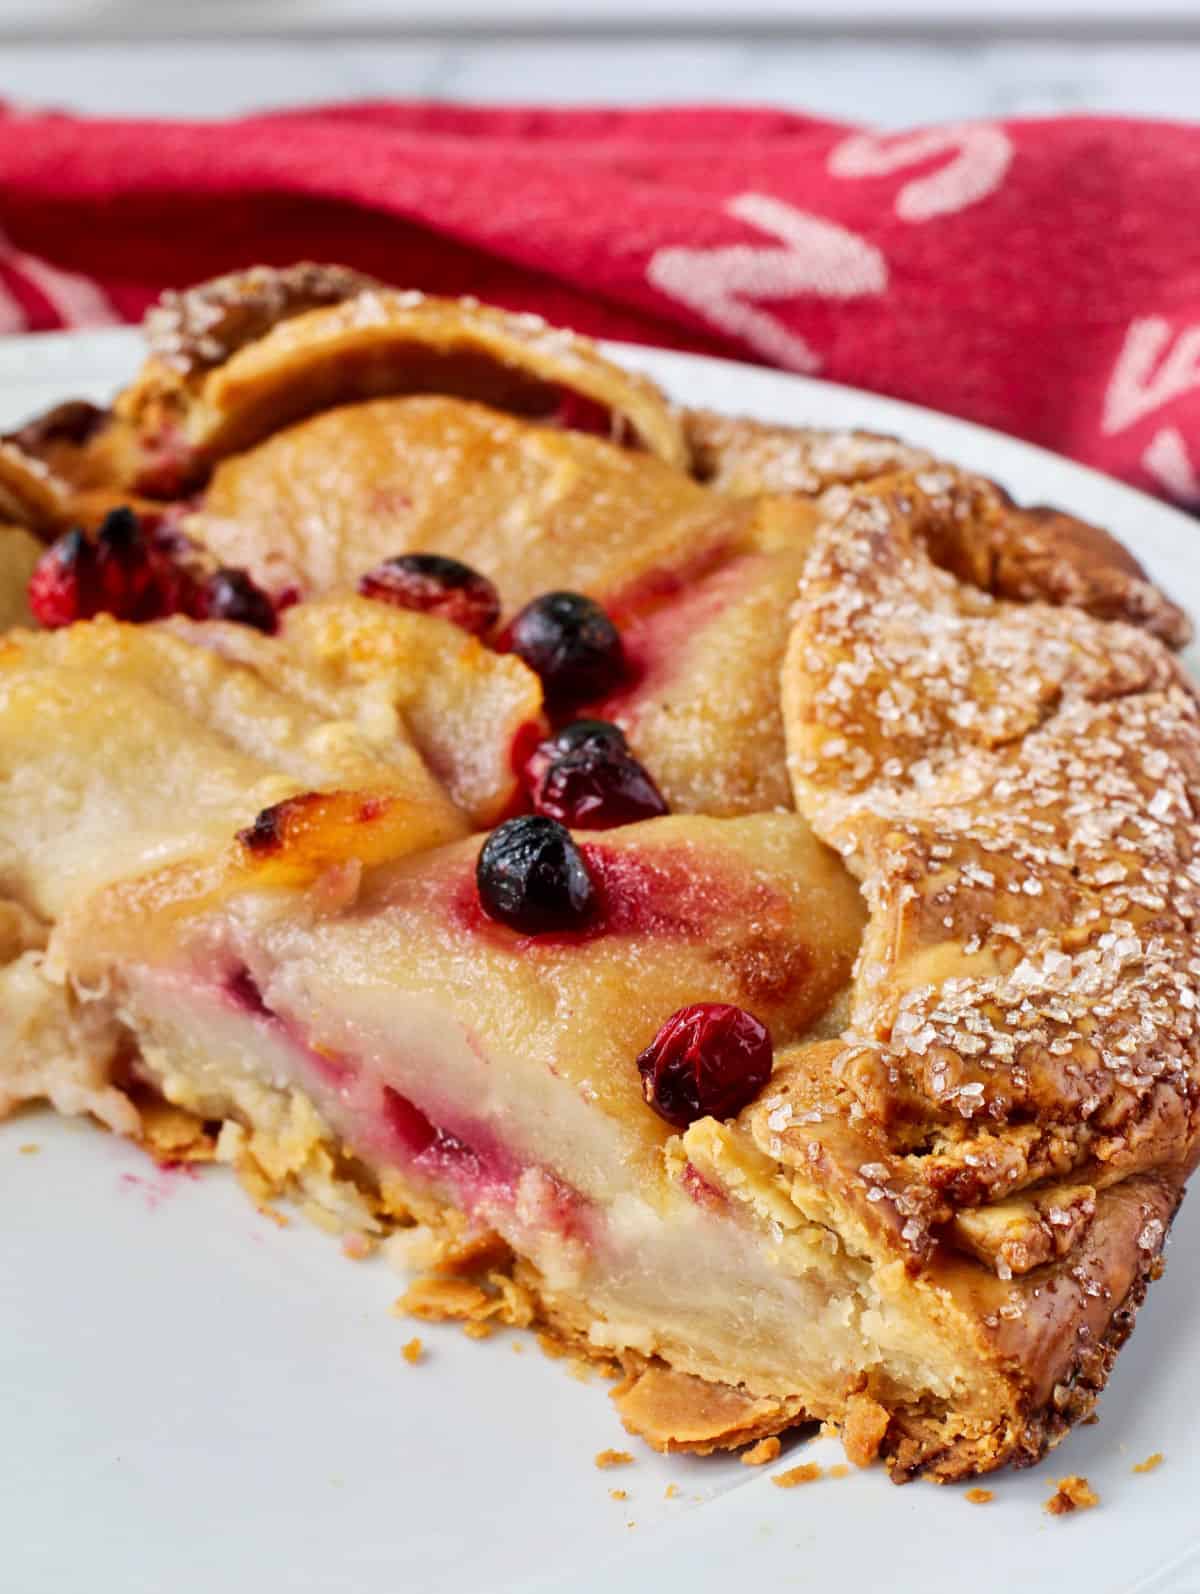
[{"x": 196, "y": 1399}]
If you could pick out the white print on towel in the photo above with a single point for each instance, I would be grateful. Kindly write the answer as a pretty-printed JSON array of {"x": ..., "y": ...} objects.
[
  {"x": 815, "y": 257},
  {"x": 75, "y": 300},
  {"x": 1152, "y": 370},
  {"x": 982, "y": 155}
]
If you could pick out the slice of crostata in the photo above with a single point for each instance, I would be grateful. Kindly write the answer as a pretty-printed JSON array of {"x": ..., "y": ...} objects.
[{"x": 730, "y": 890}]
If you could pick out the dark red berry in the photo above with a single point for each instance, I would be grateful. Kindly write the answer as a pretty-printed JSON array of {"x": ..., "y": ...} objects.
[
  {"x": 532, "y": 876},
  {"x": 572, "y": 644},
  {"x": 137, "y": 580},
  {"x": 63, "y": 586},
  {"x": 593, "y": 790},
  {"x": 708, "y": 1060},
  {"x": 231, "y": 595},
  {"x": 432, "y": 584},
  {"x": 599, "y": 736},
  {"x": 122, "y": 573}
]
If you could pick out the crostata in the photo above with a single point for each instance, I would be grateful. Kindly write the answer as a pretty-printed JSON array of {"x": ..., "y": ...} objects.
[{"x": 726, "y": 892}]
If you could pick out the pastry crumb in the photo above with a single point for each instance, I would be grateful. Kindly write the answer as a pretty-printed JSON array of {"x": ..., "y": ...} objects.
[
  {"x": 671, "y": 1492},
  {"x": 979, "y": 1496},
  {"x": 357, "y": 1245},
  {"x": 841, "y": 1470},
  {"x": 807, "y": 1472},
  {"x": 1150, "y": 1463},
  {"x": 439, "y": 1299},
  {"x": 864, "y": 1429},
  {"x": 618, "y": 1494},
  {"x": 613, "y": 1458},
  {"x": 1072, "y": 1494},
  {"x": 758, "y": 1455},
  {"x": 29, "y": 1149},
  {"x": 475, "y": 1329},
  {"x": 413, "y": 1352},
  {"x": 518, "y": 1347}
]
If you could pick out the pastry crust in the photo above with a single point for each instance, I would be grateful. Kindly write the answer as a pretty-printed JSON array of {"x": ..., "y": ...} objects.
[
  {"x": 984, "y": 536},
  {"x": 935, "y": 780},
  {"x": 235, "y": 361}
]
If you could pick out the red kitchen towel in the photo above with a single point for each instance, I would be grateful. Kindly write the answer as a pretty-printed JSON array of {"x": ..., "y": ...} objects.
[{"x": 1042, "y": 277}]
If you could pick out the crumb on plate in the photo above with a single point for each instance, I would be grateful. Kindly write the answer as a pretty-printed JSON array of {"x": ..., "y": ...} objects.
[
  {"x": 1150, "y": 1463},
  {"x": 758, "y": 1455},
  {"x": 807, "y": 1472},
  {"x": 29, "y": 1149},
  {"x": 979, "y": 1496},
  {"x": 613, "y": 1458},
  {"x": 618, "y": 1494},
  {"x": 1072, "y": 1494},
  {"x": 671, "y": 1492},
  {"x": 413, "y": 1351},
  {"x": 841, "y": 1470}
]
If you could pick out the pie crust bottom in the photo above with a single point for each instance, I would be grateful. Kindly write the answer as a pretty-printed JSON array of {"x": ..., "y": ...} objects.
[{"x": 668, "y": 1392}]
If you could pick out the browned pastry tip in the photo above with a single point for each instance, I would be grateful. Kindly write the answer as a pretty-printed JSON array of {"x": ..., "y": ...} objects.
[
  {"x": 1041, "y": 553},
  {"x": 205, "y": 325}
]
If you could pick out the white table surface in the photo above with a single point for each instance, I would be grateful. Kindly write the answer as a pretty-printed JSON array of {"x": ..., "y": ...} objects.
[{"x": 889, "y": 82}]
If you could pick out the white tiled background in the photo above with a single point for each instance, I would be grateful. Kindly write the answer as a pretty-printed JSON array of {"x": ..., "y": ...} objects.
[{"x": 890, "y": 62}]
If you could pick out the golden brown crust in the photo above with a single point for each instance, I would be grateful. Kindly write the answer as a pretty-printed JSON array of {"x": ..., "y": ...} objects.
[
  {"x": 975, "y": 528},
  {"x": 236, "y": 360},
  {"x": 1016, "y": 788},
  {"x": 735, "y": 454},
  {"x": 204, "y": 326},
  {"x": 674, "y": 1411}
]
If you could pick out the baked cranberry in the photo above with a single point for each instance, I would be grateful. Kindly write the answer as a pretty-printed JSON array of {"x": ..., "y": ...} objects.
[
  {"x": 708, "y": 1060},
  {"x": 231, "y": 595},
  {"x": 121, "y": 573},
  {"x": 137, "y": 581},
  {"x": 599, "y": 736},
  {"x": 432, "y": 584},
  {"x": 531, "y": 876},
  {"x": 571, "y": 643},
  {"x": 595, "y": 791},
  {"x": 62, "y": 586}
]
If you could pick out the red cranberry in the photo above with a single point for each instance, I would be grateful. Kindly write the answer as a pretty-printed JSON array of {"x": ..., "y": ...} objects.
[
  {"x": 531, "y": 876},
  {"x": 595, "y": 791},
  {"x": 599, "y": 736},
  {"x": 231, "y": 595},
  {"x": 432, "y": 584},
  {"x": 137, "y": 580},
  {"x": 121, "y": 574},
  {"x": 63, "y": 585},
  {"x": 708, "y": 1060},
  {"x": 572, "y": 644}
]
